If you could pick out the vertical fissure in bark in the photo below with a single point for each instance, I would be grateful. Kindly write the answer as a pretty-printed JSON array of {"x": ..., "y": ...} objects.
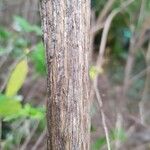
[{"x": 65, "y": 26}]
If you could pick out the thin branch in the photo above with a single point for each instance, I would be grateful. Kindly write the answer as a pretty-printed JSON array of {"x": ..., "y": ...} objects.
[
  {"x": 96, "y": 28},
  {"x": 105, "y": 10},
  {"x": 142, "y": 9},
  {"x": 30, "y": 136},
  {"x": 107, "y": 27},
  {"x": 100, "y": 21},
  {"x": 100, "y": 62},
  {"x": 137, "y": 76},
  {"x": 100, "y": 102},
  {"x": 39, "y": 141},
  {"x": 135, "y": 44},
  {"x": 118, "y": 128},
  {"x": 146, "y": 90}
]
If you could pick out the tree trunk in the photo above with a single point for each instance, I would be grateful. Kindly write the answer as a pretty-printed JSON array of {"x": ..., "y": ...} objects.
[{"x": 66, "y": 36}]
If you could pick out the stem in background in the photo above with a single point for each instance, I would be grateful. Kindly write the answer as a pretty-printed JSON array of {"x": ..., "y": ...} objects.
[
  {"x": 134, "y": 45},
  {"x": 129, "y": 65},
  {"x": 28, "y": 139},
  {"x": 40, "y": 140},
  {"x": 99, "y": 23},
  {"x": 145, "y": 97},
  {"x": 141, "y": 11},
  {"x": 106, "y": 30},
  {"x": 105, "y": 10},
  {"x": 118, "y": 128},
  {"x": 139, "y": 75},
  {"x": 99, "y": 63},
  {"x": 100, "y": 102}
]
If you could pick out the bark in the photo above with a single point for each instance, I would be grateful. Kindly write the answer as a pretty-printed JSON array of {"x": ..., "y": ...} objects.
[{"x": 66, "y": 36}]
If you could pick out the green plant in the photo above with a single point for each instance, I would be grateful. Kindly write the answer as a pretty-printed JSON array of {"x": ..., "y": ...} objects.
[
  {"x": 117, "y": 134},
  {"x": 38, "y": 58},
  {"x": 10, "y": 104},
  {"x": 16, "y": 46}
]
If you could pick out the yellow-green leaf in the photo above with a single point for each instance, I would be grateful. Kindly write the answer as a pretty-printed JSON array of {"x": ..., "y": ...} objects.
[
  {"x": 17, "y": 78},
  {"x": 94, "y": 71},
  {"x": 9, "y": 106}
]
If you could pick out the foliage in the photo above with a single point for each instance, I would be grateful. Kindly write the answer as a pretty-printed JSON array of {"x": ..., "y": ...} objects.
[
  {"x": 4, "y": 34},
  {"x": 38, "y": 58},
  {"x": 118, "y": 134},
  {"x": 10, "y": 106},
  {"x": 14, "y": 42},
  {"x": 94, "y": 71},
  {"x": 17, "y": 78},
  {"x": 22, "y": 25},
  {"x": 129, "y": 23}
]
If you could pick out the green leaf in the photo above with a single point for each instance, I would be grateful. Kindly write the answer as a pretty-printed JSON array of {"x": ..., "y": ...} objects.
[
  {"x": 94, "y": 71},
  {"x": 29, "y": 111},
  {"x": 38, "y": 58},
  {"x": 99, "y": 143},
  {"x": 22, "y": 25},
  {"x": 9, "y": 106},
  {"x": 17, "y": 78},
  {"x": 119, "y": 134},
  {"x": 4, "y": 34},
  {"x": 36, "y": 29}
]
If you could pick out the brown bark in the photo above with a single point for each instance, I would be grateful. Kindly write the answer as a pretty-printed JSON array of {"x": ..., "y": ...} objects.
[{"x": 66, "y": 36}]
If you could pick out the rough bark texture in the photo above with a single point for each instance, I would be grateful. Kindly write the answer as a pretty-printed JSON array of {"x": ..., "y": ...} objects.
[{"x": 66, "y": 37}]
